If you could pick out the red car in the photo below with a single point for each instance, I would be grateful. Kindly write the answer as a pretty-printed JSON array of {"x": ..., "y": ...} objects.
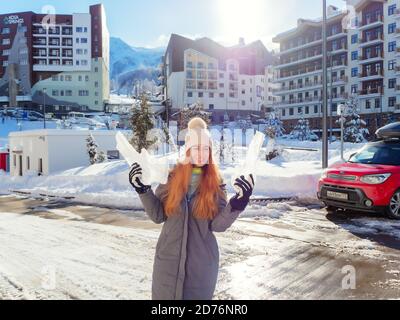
[{"x": 369, "y": 180}]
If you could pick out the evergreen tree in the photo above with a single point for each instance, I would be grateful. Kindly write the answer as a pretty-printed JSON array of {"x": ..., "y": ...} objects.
[
  {"x": 274, "y": 129},
  {"x": 192, "y": 111},
  {"x": 354, "y": 126},
  {"x": 302, "y": 130},
  {"x": 94, "y": 155},
  {"x": 142, "y": 121}
]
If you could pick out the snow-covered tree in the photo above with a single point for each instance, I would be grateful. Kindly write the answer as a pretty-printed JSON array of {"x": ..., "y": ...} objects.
[
  {"x": 95, "y": 156},
  {"x": 354, "y": 127},
  {"x": 142, "y": 121},
  {"x": 244, "y": 124},
  {"x": 302, "y": 130},
  {"x": 274, "y": 129},
  {"x": 192, "y": 111}
]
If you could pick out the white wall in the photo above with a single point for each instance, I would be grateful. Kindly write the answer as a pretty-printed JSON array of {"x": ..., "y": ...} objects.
[{"x": 59, "y": 149}]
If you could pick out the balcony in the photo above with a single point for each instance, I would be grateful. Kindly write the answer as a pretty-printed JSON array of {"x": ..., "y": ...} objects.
[
  {"x": 371, "y": 91},
  {"x": 371, "y": 22},
  {"x": 370, "y": 40},
  {"x": 39, "y": 43},
  {"x": 371, "y": 74},
  {"x": 304, "y": 45},
  {"x": 309, "y": 71},
  {"x": 371, "y": 57},
  {"x": 300, "y": 59}
]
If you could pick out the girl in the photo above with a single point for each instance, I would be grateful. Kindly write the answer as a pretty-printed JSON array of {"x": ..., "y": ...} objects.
[{"x": 192, "y": 205}]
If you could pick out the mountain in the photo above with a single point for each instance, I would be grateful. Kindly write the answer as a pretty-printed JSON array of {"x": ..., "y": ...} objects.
[{"x": 126, "y": 59}]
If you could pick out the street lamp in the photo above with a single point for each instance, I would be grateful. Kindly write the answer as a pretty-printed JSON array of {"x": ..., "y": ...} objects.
[
  {"x": 44, "y": 107},
  {"x": 341, "y": 111},
  {"x": 324, "y": 92}
]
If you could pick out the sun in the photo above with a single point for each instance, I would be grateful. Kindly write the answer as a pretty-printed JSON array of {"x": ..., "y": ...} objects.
[{"x": 242, "y": 18}]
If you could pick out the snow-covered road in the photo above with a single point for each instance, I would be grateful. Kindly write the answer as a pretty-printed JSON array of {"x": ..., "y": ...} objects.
[{"x": 57, "y": 250}]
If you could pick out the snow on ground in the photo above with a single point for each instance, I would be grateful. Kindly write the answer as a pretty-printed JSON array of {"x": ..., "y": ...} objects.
[
  {"x": 291, "y": 253},
  {"x": 295, "y": 173}
]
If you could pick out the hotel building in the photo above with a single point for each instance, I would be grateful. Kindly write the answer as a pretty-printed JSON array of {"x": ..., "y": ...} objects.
[
  {"x": 57, "y": 61},
  {"x": 236, "y": 81},
  {"x": 362, "y": 63}
]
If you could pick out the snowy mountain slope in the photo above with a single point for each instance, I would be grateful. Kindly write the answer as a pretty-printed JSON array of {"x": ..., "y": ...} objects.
[{"x": 124, "y": 58}]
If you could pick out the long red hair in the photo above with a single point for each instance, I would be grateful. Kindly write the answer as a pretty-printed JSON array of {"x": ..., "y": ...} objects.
[{"x": 206, "y": 202}]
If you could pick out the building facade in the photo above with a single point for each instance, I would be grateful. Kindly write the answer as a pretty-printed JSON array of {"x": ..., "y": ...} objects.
[
  {"x": 229, "y": 81},
  {"x": 362, "y": 64},
  {"x": 57, "y": 61}
]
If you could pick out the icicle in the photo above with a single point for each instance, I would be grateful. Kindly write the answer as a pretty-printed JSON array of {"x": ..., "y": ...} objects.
[{"x": 155, "y": 170}]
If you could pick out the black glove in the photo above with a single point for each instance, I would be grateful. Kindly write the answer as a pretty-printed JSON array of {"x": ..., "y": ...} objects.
[
  {"x": 242, "y": 198},
  {"x": 135, "y": 176}
]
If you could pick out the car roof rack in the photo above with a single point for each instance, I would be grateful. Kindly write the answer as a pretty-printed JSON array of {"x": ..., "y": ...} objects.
[{"x": 389, "y": 132}]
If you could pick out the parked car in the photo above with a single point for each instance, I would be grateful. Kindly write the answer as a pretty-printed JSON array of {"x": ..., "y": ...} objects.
[{"x": 369, "y": 180}]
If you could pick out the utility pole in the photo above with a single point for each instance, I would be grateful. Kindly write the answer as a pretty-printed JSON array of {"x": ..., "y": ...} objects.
[
  {"x": 44, "y": 108},
  {"x": 324, "y": 92}
]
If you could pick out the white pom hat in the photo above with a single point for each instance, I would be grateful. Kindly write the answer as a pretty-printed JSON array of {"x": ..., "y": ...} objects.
[{"x": 197, "y": 133}]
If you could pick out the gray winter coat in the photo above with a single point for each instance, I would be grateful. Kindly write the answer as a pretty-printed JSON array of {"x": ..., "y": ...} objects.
[{"x": 187, "y": 258}]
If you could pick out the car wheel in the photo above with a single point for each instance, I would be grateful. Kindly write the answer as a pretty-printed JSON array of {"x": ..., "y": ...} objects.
[
  {"x": 331, "y": 209},
  {"x": 393, "y": 210}
]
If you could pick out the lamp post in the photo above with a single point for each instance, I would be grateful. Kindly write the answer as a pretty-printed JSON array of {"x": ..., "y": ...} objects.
[
  {"x": 324, "y": 92},
  {"x": 44, "y": 108},
  {"x": 341, "y": 112}
]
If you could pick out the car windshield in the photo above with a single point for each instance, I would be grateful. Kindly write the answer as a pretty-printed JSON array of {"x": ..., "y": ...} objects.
[{"x": 385, "y": 154}]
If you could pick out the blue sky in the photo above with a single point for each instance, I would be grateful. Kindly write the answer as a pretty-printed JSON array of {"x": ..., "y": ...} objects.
[{"x": 149, "y": 23}]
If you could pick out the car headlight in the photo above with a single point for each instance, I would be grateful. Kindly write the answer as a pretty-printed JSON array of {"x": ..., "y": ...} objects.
[
  {"x": 324, "y": 174},
  {"x": 375, "y": 178}
]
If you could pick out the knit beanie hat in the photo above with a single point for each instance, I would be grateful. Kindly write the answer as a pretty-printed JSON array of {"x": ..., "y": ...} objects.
[{"x": 197, "y": 133}]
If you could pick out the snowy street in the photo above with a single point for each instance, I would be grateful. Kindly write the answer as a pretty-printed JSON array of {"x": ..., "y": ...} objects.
[{"x": 59, "y": 250}]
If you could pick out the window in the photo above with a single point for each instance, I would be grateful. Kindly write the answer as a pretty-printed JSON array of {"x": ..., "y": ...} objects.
[
  {"x": 5, "y": 31},
  {"x": 354, "y": 88},
  {"x": 86, "y": 78},
  {"x": 79, "y": 29},
  {"x": 211, "y": 94},
  {"x": 391, "y": 9},
  {"x": 68, "y": 93},
  {"x": 243, "y": 82},
  {"x": 377, "y": 103},
  {"x": 201, "y": 94},
  {"x": 354, "y": 72},
  {"x": 354, "y": 55},
  {"x": 221, "y": 85},
  {"x": 5, "y": 41},
  {"x": 391, "y": 64},
  {"x": 392, "y": 27},
  {"x": 307, "y": 110},
  {"x": 221, "y": 75},
  {"x": 392, "y": 101},
  {"x": 96, "y": 84},
  {"x": 54, "y": 78},
  {"x": 392, "y": 46},
  {"x": 354, "y": 38},
  {"x": 77, "y": 40},
  {"x": 85, "y": 29},
  {"x": 221, "y": 95},
  {"x": 55, "y": 93},
  {"x": 83, "y": 40},
  {"x": 367, "y": 104},
  {"x": 211, "y": 106},
  {"x": 190, "y": 94},
  {"x": 84, "y": 62},
  {"x": 68, "y": 78},
  {"x": 6, "y": 52},
  {"x": 291, "y": 111},
  {"x": 83, "y": 93},
  {"x": 28, "y": 163},
  {"x": 243, "y": 103},
  {"x": 96, "y": 69},
  {"x": 392, "y": 83},
  {"x": 316, "y": 109}
]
